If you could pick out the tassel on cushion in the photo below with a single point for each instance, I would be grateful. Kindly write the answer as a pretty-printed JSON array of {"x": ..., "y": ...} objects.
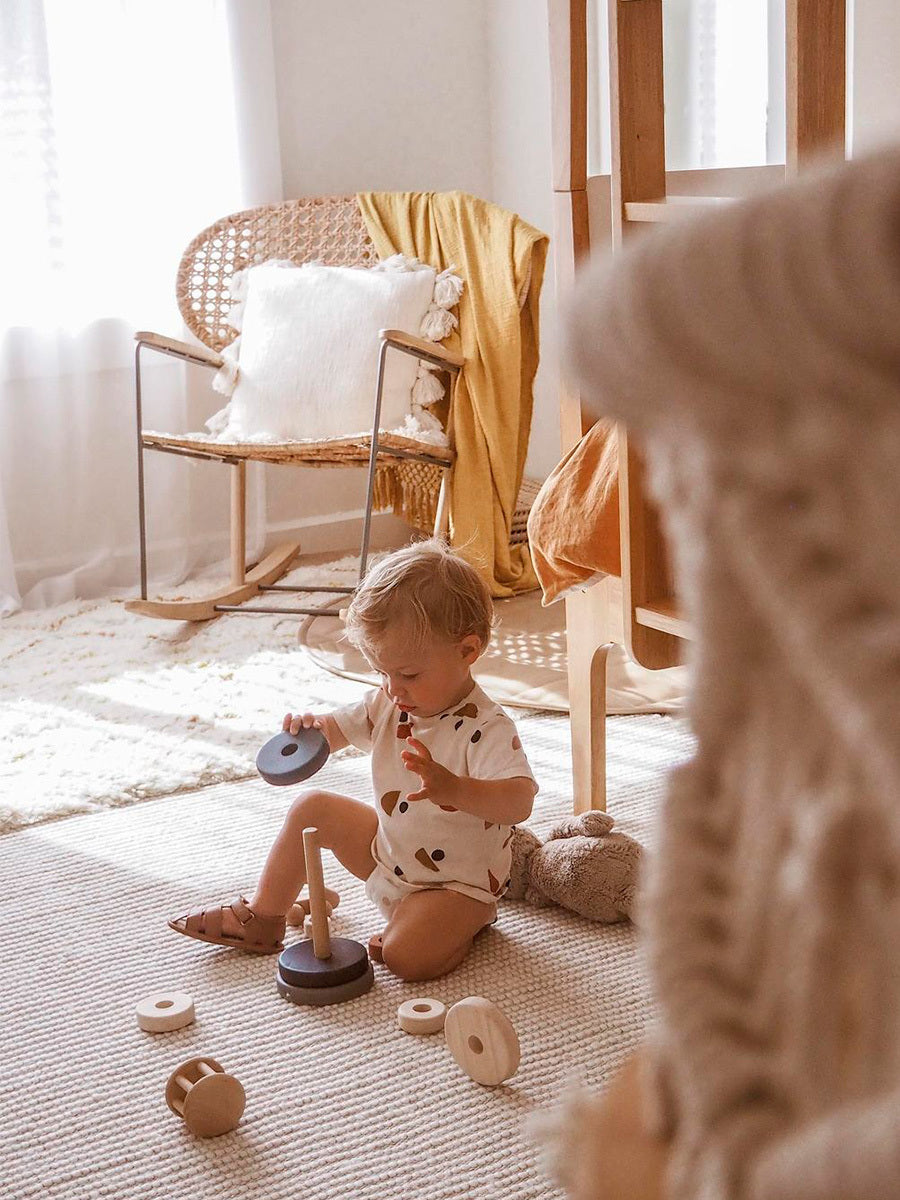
[
  {"x": 427, "y": 389},
  {"x": 400, "y": 262},
  {"x": 219, "y": 421},
  {"x": 447, "y": 288},
  {"x": 225, "y": 379},
  {"x": 437, "y": 324}
]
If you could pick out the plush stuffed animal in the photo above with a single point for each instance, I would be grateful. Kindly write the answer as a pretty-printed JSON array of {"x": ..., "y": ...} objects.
[{"x": 582, "y": 866}]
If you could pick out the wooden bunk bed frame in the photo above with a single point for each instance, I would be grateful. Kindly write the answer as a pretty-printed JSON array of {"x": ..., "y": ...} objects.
[{"x": 596, "y": 214}]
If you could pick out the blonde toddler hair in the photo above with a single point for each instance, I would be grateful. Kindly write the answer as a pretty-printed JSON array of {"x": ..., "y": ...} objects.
[{"x": 430, "y": 587}]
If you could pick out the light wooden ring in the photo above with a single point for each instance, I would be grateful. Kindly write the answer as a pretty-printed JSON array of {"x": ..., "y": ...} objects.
[
  {"x": 164, "y": 1011},
  {"x": 482, "y": 1039},
  {"x": 299, "y": 911},
  {"x": 421, "y": 1015}
]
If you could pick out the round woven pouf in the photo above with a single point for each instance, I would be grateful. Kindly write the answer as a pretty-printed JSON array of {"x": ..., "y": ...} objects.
[{"x": 305, "y": 979}]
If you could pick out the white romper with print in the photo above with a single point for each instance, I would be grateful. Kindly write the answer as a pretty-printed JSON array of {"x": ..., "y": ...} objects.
[{"x": 418, "y": 843}]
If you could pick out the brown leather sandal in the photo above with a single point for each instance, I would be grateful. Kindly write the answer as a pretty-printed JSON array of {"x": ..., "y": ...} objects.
[{"x": 259, "y": 935}]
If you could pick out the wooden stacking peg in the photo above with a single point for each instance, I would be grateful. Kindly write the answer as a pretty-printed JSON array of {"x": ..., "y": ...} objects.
[
  {"x": 481, "y": 1038},
  {"x": 315, "y": 881},
  {"x": 324, "y": 970},
  {"x": 209, "y": 1100}
]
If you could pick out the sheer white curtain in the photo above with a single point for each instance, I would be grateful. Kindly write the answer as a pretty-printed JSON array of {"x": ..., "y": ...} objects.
[{"x": 125, "y": 127}]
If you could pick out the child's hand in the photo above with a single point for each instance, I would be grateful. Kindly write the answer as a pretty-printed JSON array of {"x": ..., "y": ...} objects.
[
  {"x": 438, "y": 784},
  {"x": 293, "y": 724}
]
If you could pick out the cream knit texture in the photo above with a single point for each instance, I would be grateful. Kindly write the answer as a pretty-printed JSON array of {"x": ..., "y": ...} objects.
[{"x": 755, "y": 351}]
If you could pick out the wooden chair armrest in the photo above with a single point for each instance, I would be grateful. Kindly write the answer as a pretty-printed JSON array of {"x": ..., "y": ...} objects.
[
  {"x": 191, "y": 352},
  {"x": 420, "y": 348}
]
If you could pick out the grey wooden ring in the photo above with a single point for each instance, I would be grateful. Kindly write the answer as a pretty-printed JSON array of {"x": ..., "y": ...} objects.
[{"x": 325, "y": 995}]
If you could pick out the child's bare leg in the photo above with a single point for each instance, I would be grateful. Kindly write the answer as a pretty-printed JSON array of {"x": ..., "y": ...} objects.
[
  {"x": 431, "y": 932},
  {"x": 346, "y": 827}
]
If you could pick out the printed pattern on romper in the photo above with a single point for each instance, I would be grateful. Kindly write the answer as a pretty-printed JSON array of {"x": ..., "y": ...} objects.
[{"x": 433, "y": 845}]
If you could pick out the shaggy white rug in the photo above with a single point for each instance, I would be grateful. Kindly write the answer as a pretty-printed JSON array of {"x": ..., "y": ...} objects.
[
  {"x": 340, "y": 1104},
  {"x": 99, "y": 707}
]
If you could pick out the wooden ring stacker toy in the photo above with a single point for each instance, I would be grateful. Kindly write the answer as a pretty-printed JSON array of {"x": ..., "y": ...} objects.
[
  {"x": 209, "y": 1099},
  {"x": 324, "y": 970},
  {"x": 483, "y": 1040},
  {"x": 292, "y": 757}
]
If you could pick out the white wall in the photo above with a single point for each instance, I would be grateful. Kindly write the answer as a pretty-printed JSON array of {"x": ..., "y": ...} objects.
[
  {"x": 402, "y": 95},
  {"x": 390, "y": 96},
  {"x": 521, "y": 178},
  {"x": 875, "y": 87}
]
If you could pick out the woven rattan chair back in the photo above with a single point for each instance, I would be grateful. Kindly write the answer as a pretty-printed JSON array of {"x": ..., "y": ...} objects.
[{"x": 326, "y": 229}]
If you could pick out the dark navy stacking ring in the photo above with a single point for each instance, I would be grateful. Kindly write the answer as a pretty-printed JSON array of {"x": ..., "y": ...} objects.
[{"x": 290, "y": 758}]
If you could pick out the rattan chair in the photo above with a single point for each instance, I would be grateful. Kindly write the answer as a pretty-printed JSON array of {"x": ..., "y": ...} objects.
[{"x": 329, "y": 230}]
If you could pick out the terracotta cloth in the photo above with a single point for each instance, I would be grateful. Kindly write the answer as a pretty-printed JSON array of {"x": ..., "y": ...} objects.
[
  {"x": 501, "y": 258},
  {"x": 573, "y": 526}
]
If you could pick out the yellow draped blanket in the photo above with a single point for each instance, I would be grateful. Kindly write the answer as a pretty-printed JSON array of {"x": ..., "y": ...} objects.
[{"x": 501, "y": 259}]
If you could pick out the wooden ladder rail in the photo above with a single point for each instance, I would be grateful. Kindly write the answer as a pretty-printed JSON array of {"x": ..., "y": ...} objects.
[{"x": 815, "y": 90}]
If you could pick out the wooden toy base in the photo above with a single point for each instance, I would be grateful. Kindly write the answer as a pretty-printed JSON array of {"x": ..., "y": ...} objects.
[
  {"x": 299, "y": 966},
  {"x": 325, "y": 995}
]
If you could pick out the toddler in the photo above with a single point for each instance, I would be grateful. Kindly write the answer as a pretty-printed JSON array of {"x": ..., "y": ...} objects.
[{"x": 449, "y": 773}]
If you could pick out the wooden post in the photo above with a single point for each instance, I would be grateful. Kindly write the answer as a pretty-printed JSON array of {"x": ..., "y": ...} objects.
[
  {"x": 568, "y": 111},
  {"x": 238, "y": 522},
  {"x": 315, "y": 882},
  {"x": 637, "y": 125},
  {"x": 815, "y": 69}
]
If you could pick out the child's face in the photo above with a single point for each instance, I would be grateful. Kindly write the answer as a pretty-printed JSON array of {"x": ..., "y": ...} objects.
[{"x": 423, "y": 680}]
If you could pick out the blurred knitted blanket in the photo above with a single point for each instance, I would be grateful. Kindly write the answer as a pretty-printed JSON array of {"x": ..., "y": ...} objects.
[{"x": 756, "y": 351}]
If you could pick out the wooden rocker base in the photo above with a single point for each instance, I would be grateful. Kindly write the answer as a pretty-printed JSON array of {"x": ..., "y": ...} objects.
[{"x": 271, "y": 568}]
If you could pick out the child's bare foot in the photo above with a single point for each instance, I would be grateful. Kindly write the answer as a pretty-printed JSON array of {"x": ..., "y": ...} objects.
[{"x": 234, "y": 925}]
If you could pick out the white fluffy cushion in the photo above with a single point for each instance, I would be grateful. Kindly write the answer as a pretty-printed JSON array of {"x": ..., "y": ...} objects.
[{"x": 308, "y": 355}]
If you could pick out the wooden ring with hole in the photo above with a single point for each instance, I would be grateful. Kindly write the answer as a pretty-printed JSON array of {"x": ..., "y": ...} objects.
[
  {"x": 482, "y": 1039},
  {"x": 164, "y": 1011},
  {"x": 421, "y": 1015}
]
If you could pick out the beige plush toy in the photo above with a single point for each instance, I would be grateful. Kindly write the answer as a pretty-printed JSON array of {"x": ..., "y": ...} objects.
[{"x": 582, "y": 866}]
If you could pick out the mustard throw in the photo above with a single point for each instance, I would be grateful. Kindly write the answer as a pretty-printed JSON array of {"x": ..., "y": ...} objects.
[{"x": 500, "y": 257}]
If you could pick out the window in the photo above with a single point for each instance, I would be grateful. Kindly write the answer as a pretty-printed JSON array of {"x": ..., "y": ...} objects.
[{"x": 724, "y": 83}]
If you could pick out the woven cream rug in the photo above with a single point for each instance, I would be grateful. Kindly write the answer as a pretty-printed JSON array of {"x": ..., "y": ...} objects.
[{"x": 340, "y": 1104}]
